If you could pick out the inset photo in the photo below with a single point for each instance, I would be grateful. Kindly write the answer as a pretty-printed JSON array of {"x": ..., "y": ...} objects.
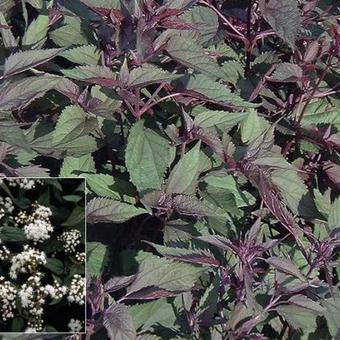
[{"x": 42, "y": 255}]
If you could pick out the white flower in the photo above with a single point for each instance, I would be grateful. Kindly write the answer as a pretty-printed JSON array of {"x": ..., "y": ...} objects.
[
  {"x": 30, "y": 330},
  {"x": 26, "y": 261},
  {"x": 76, "y": 292},
  {"x": 23, "y": 183},
  {"x": 70, "y": 240},
  {"x": 8, "y": 295},
  {"x": 75, "y": 325},
  {"x": 38, "y": 231}
]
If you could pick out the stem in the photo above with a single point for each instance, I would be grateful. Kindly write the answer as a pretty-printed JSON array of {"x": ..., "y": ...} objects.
[
  {"x": 224, "y": 19},
  {"x": 322, "y": 76},
  {"x": 249, "y": 39},
  {"x": 148, "y": 107}
]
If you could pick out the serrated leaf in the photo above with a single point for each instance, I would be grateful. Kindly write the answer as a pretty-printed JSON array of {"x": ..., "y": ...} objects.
[
  {"x": 252, "y": 126},
  {"x": 183, "y": 177},
  {"x": 100, "y": 75},
  {"x": 298, "y": 317},
  {"x": 332, "y": 314},
  {"x": 283, "y": 17},
  {"x": 8, "y": 38},
  {"x": 96, "y": 258},
  {"x": 73, "y": 123},
  {"x": 191, "y": 206},
  {"x": 72, "y": 32},
  {"x": 76, "y": 165},
  {"x": 119, "y": 323},
  {"x": 287, "y": 72},
  {"x": 222, "y": 120},
  {"x": 102, "y": 185},
  {"x": 165, "y": 274},
  {"x": 36, "y": 33},
  {"x": 23, "y": 61},
  {"x": 215, "y": 91},
  {"x": 205, "y": 20},
  {"x": 148, "y": 316},
  {"x": 106, "y": 210},
  {"x": 149, "y": 74},
  {"x": 199, "y": 256},
  {"x": 334, "y": 215},
  {"x": 22, "y": 92},
  {"x": 83, "y": 55},
  {"x": 147, "y": 157},
  {"x": 186, "y": 51},
  {"x": 285, "y": 266}
]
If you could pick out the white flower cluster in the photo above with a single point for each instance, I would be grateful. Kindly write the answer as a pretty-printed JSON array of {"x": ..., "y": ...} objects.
[
  {"x": 7, "y": 299},
  {"x": 4, "y": 253},
  {"x": 27, "y": 261},
  {"x": 23, "y": 183},
  {"x": 76, "y": 292},
  {"x": 80, "y": 257},
  {"x": 56, "y": 291},
  {"x": 37, "y": 226},
  {"x": 70, "y": 240},
  {"x": 32, "y": 296},
  {"x": 75, "y": 325},
  {"x": 6, "y": 206},
  {"x": 38, "y": 231}
]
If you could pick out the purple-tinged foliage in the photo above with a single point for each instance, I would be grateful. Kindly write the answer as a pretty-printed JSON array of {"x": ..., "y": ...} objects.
[{"x": 208, "y": 132}]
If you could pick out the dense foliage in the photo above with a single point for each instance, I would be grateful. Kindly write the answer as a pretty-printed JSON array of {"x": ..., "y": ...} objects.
[
  {"x": 42, "y": 255},
  {"x": 208, "y": 132}
]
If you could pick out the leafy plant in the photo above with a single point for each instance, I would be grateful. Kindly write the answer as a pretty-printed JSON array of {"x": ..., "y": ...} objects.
[
  {"x": 42, "y": 255},
  {"x": 208, "y": 132}
]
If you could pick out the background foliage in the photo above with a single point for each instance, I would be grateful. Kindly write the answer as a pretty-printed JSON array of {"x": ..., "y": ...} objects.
[{"x": 208, "y": 134}]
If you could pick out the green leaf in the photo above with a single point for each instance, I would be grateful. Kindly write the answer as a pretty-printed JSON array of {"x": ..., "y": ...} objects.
[
  {"x": 77, "y": 165},
  {"x": 148, "y": 155},
  {"x": 285, "y": 266},
  {"x": 222, "y": 120},
  {"x": 54, "y": 265},
  {"x": 283, "y": 17},
  {"x": 106, "y": 210},
  {"x": 73, "y": 123},
  {"x": 13, "y": 135},
  {"x": 36, "y": 33},
  {"x": 147, "y": 316},
  {"x": 96, "y": 258},
  {"x": 73, "y": 32},
  {"x": 334, "y": 215},
  {"x": 23, "y": 61},
  {"x": 8, "y": 38},
  {"x": 298, "y": 317},
  {"x": 183, "y": 177},
  {"x": 149, "y": 74},
  {"x": 252, "y": 126},
  {"x": 287, "y": 72},
  {"x": 109, "y": 4},
  {"x": 12, "y": 234},
  {"x": 20, "y": 93},
  {"x": 203, "y": 19},
  {"x": 165, "y": 274},
  {"x": 17, "y": 324},
  {"x": 185, "y": 50},
  {"x": 291, "y": 187},
  {"x": 90, "y": 72},
  {"x": 119, "y": 323},
  {"x": 332, "y": 314},
  {"x": 102, "y": 185},
  {"x": 215, "y": 91},
  {"x": 83, "y": 55}
]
